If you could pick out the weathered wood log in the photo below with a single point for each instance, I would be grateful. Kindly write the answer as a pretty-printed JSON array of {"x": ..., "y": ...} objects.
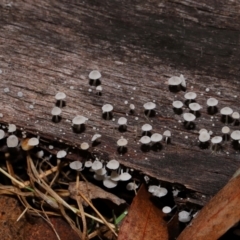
[{"x": 51, "y": 46}]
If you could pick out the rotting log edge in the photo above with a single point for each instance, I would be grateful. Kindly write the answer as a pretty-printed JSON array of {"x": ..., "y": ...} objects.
[{"x": 49, "y": 46}]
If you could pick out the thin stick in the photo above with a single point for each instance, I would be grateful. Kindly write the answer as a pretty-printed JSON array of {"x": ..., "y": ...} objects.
[
  {"x": 15, "y": 180},
  {"x": 80, "y": 206},
  {"x": 25, "y": 210}
]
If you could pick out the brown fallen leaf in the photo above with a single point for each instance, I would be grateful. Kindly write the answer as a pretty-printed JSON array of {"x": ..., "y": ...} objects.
[
  {"x": 144, "y": 220},
  {"x": 217, "y": 216},
  {"x": 91, "y": 192}
]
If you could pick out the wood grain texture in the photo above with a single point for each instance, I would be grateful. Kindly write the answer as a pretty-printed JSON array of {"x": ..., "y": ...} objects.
[{"x": 50, "y": 46}]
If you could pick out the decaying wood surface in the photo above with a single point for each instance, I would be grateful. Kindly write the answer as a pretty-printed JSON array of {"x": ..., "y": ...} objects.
[{"x": 49, "y": 46}]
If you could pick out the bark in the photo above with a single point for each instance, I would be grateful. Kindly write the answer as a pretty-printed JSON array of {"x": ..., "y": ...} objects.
[{"x": 50, "y": 46}]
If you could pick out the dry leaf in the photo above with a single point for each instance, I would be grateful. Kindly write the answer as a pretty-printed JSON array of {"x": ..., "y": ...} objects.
[
  {"x": 144, "y": 220},
  {"x": 91, "y": 192},
  {"x": 217, "y": 216}
]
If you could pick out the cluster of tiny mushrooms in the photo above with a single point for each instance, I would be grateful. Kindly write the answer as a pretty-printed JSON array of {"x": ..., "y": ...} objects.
[{"x": 111, "y": 172}]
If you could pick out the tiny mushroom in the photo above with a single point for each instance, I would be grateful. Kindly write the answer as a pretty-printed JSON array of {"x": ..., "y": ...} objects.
[
  {"x": 226, "y": 111},
  {"x": 183, "y": 83},
  {"x": 76, "y": 165},
  {"x": 132, "y": 186},
  {"x": 88, "y": 164},
  {"x": 12, "y": 141},
  {"x": 94, "y": 75},
  {"x": 78, "y": 121},
  {"x": 107, "y": 108},
  {"x": 61, "y": 154},
  {"x": 125, "y": 176},
  {"x": 122, "y": 142},
  {"x": 194, "y": 107},
  {"x": 212, "y": 102},
  {"x": 146, "y": 128},
  {"x": 160, "y": 192},
  {"x": 177, "y": 104},
  {"x": 99, "y": 89},
  {"x": 28, "y": 144},
  {"x": 203, "y": 130},
  {"x": 156, "y": 137},
  {"x": 225, "y": 131},
  {"x": 145, "y": 140},
  {"x": 190, "y": 96},
  {"x": 122, "y": 121},
  {"x": 101, "y": 171},
  {"x": 115, "y": 176},
  {"x": 109, "y": 183},
  {"x": 235, "y": 135},
  {"x": 215, "y": 141},
  {"x": 84, "y": 146},
  {"x": 56, "y": 112},
  {"x": 174, "y": 81},
  {"x": 60, "y": 96},
  {"x": 167, "y": 134},
  {"x": 152, "y": 188},
  {"x": 149, "y": 106},
  {"x": 235, "y": 117},
  {"x": 204, "y": 137},
  {"x": 113, "y": 164},
  {"x": 184, "y": 216},
  {"x": 12, "y": 128},
  {"x": 166, "y": 209},
  {"x": 132, "y": 107},
  {"x": 189, "y": 117},
  {"x": 96, "y": 165}
]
